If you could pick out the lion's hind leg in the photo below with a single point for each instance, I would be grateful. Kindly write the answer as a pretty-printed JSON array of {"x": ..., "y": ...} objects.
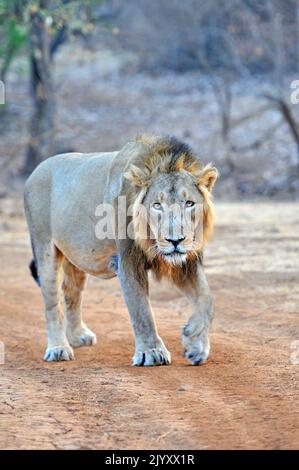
[
  {"x": 49, "y": 260},
  {"x": 73, "y": 284}
]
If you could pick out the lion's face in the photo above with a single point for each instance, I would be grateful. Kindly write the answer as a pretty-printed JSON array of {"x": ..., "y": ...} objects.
[{"x": 174, "y": 213}]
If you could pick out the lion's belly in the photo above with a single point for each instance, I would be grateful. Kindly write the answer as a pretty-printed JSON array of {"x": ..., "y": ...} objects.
[{"x": 92, "y": 260}]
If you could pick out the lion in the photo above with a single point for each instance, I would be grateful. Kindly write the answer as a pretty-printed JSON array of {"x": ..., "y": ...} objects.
[{"x": 150, "y": 172}]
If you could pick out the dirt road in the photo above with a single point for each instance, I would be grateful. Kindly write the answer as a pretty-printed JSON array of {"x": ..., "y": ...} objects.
[{"x": 245, "y": 396}]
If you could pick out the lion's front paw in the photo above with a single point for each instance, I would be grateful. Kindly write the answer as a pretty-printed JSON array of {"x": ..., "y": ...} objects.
[
  {"x": 59, "y": 353},
  {"x": 82, "y": 336},
  {"x": 196, "y": 345},
  {"x": 152, "y": 357}
]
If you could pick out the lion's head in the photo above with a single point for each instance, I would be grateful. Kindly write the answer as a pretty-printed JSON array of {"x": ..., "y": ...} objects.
[{"x": 172, "y": 211}]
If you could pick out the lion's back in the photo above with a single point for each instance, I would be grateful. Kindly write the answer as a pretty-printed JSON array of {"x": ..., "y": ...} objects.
[{"x": 64, "y": 187}]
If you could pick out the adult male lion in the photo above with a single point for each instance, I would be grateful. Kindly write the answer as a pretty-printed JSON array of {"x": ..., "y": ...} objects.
[{"x": 60, "y": 201}]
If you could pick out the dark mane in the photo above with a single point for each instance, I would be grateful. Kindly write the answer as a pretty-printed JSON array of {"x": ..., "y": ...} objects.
[{"x": 166, "y": 155}]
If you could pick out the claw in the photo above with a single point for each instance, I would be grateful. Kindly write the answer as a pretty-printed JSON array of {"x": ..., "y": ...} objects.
[{"x": 152, "y": 357}]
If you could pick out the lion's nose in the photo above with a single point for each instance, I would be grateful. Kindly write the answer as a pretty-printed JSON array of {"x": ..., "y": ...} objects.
[{"x": 175, "y": 242}]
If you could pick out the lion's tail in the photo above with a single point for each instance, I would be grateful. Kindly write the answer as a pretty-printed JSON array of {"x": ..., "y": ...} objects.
[{"x": 34, "y": 272}]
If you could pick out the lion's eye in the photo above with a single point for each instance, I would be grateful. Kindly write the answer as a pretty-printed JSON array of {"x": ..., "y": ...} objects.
[
  {"x": 190, "y": 203},
  {"x": 157, "y": 206}
]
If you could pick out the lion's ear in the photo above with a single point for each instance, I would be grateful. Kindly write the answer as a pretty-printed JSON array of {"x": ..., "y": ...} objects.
[
  {"x": 137, "y": 176},
  {"x": 207, "y": 177}
]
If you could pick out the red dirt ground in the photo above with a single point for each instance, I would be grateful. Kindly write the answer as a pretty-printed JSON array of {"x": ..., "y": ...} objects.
[{"x": 245, "y": 396}]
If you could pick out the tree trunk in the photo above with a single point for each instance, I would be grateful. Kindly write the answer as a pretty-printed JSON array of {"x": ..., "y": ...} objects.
[
  {"x": 41, "y": 128},
  {"x": 287, "y": 114},
  {"x": 223, "y": 95}
]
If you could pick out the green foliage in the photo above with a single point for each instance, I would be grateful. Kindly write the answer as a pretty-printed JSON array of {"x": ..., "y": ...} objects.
[
  {"x": 16, "y": 15},
  {"x": 13, "y": 32}
]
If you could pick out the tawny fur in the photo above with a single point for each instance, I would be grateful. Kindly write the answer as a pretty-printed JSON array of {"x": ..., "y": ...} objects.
[
  {"x": 61, "y": 197},
  {"x": 164, "y": 156}
]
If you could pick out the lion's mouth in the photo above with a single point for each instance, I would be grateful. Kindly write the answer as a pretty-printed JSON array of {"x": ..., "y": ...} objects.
[
  {"x": 175, "y": 257},
  {"x": 173, "y": 253}
]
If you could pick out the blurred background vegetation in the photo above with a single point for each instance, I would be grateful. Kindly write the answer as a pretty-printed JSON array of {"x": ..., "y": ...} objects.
[{"x": 89, "y": 75}]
